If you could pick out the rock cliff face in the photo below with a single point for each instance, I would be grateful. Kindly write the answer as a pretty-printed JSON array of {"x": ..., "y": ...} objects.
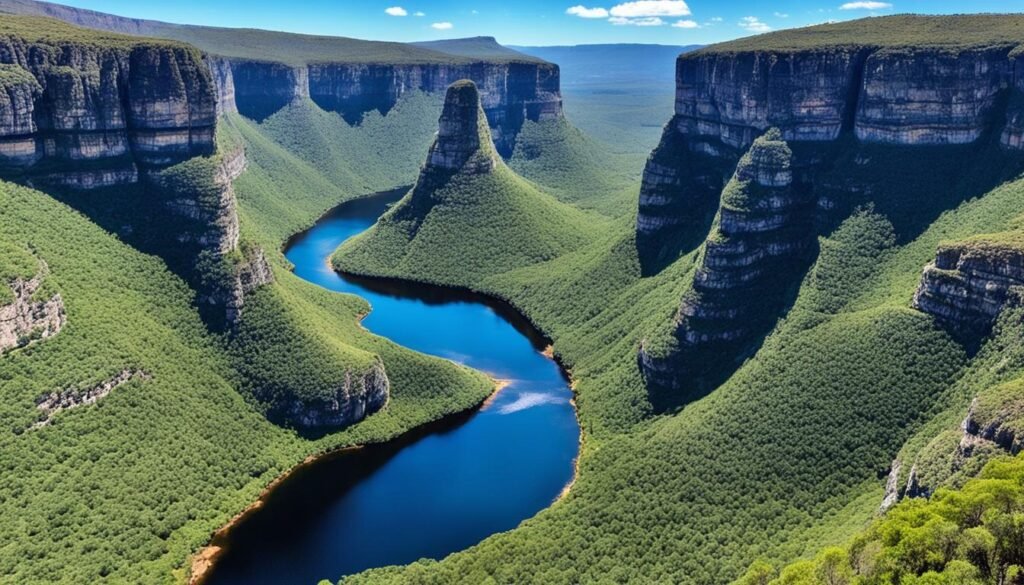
[
  {"x": 358, "y": 396},
  {"x": 970, "y": 283},
  {"x": 83, "y": 115},
  {"x": 53, "y": 403},
  {"x": 761, "y": 236},
  {"x": 29, "y": 316},
  {"x": 511, "y": 93},
  {"x": 463, "y": 145},
  {"x": 895, "y": 96}
]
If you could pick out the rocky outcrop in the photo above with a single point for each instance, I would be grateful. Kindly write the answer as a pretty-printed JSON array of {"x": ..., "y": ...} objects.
[
  {"x": 873, "y": 93},
  {"x": 358, "y": 396},
  {"x": 51, "y": 404},
  {"x": 88, "y": 115},
  {"x": 463, "y": 141},
  {"x": 760, "y": 239},
  {"x": 463, "y": 145},
  {"x": 970, "y": 283},
  {"x": 30, "y": 316},
  {"x": 251, "y": 273}
]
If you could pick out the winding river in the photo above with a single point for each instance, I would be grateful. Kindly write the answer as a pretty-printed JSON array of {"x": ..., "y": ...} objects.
[{"x": 438, "y": 489}]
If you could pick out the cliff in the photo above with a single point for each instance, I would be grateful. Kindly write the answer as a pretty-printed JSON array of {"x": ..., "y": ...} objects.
[
  {"x": 759, "y": 241},
  {"x": 970, "y": 282},
  {"x": 98, "y": 110},
  {"x": 900, "y": 81},
  {"x": 259, "y": 72}
]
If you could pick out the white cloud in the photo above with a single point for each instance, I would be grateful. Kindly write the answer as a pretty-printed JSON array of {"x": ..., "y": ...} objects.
[
  {"x": 396, "y": 11},
  {"x": 753, "y": 24},
  {"x": 584, "y": 12},
  {"x": 780, "y": 15},
  {"x": 442, "y": 26},
  {"x": 717, "y": 19},
  {"x": 646, "y": 21},
  {"x": 685, "y": 24},
  {"x": 865, "y": 5},
  {"x": 649, "y": 8},
  {"x": 420, "y": 13}
]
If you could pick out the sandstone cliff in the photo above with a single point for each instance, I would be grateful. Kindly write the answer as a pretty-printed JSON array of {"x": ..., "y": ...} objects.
[
  {"x": 357, "y": 396},
  {"x": 264, "y": 71},
  {"x": 971, "y": 282},
  {"x": 92, "y": 114},
  {"x": 955, "y": 81},
  {"x": 759, "y": 241}
]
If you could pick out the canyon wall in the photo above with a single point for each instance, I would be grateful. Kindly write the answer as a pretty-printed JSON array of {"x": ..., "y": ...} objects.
[
  {"x": 511, "y": 93},
  {"x": 890, "y": 96},
  {"x": 86, "y": 115}
]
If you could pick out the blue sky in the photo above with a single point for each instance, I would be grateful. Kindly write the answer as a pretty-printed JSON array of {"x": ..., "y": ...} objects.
[{"x": 532, "y": 22}]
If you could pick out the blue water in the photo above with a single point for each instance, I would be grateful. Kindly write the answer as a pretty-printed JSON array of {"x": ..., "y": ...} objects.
[{"x": 437, "y": 490}]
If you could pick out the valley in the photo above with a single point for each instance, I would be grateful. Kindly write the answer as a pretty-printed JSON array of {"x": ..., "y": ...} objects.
[{"x": 338, "y": 287}]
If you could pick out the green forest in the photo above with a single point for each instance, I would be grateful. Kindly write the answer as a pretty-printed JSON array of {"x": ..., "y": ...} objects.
[{"x": 774, "y": 476}]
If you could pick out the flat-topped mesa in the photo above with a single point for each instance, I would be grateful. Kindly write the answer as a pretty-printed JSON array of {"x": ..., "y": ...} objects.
[
  {"x": 758, "y": 243},
  {"x": 971, "y": 282},
  {"x": 901, "y": 81},
  {"x": 463, "y": 142},
  {"x": 88, "y": 115}
]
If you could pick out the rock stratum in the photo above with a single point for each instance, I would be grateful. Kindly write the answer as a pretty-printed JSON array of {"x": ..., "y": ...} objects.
[
  {"x": 970, "y": 283},
  {"x": 845, "y": 97},
  {"x": 761, "y": 234},
  {"x": 87, "y": 115},
  {"x": 824, "y": 83},
  {"x": 33, "y": 312},
  {"x": 265, "y": 71}
]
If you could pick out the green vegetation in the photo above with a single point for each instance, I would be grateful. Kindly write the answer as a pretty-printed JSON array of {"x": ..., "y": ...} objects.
[
  {"x": 489, "y": 223},
  {"x": 575, "y": 168},
  {"x": 901, "y": 32},
  {"x": 125, "y": 490},
  {"x": 37, "y": 29},
  {"x": 966, "y": 536}
]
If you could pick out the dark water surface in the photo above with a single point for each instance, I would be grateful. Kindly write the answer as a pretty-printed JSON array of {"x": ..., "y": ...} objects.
[{"x": 434, "y": 491}]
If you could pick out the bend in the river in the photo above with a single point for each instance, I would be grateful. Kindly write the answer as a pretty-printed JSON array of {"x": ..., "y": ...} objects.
[{"x": 436, "y": 490}]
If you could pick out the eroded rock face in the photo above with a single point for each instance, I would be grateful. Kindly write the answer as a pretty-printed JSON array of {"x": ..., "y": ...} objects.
[
  {"x": 725, "y": 99},
  {"x": 969, "y": 284},
  {"x": 511, "y": 93},
  {"x": 462, "y": 133},
  {"x": 28, "y": 318},
  {"x": 761, "y": 236},
  {"x": 358, "y": 396},
  {"x": 51, "y": 404},
  {"x": 86, "y": 116}
]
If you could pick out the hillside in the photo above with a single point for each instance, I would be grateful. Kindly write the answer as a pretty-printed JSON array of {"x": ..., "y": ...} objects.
[{"x": 467, "y": 202}]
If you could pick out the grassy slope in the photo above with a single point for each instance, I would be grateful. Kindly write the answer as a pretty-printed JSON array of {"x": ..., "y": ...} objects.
[
  {"x": 791, "y": 452},
  {"x": 128, "y": 488},
  {"x": 487, "y": 222}
]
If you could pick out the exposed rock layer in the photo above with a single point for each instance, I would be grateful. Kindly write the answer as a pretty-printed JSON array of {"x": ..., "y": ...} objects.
[
  {"x": 85, "y": 115},
  {"x": 511, "y": 93},
  {"x": 761, "y": 235},
  {"x": 28, "y": 318},
  {"x": 968, "y": 285},
  {"x": 53, "y": 403},
  {"x": 725, "y": 99},
  {"x": 358, "y": 396}
]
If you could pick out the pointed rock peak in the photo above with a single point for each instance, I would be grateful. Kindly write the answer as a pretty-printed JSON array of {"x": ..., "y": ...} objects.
[
  {"x": 463, "y": 138},
  {"x": 768, "y": 162}
]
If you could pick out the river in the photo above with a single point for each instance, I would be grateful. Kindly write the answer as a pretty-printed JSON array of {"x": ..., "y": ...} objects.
[{"x": 436, "y": 490}]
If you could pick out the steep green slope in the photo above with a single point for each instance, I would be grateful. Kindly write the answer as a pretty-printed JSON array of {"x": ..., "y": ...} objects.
[
  {"x": 468, "y": 203},
  {"x": 968, "y": 536}
]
